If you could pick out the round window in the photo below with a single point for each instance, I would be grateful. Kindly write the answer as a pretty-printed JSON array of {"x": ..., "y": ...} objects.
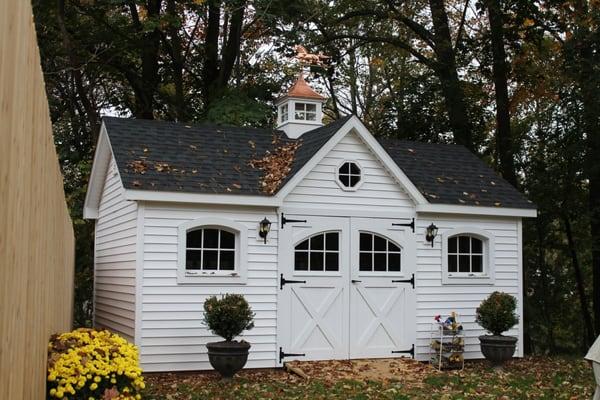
[{"x": 349, "y": 174}]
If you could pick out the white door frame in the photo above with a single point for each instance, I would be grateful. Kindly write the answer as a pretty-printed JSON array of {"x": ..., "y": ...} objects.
[
  {"x": 389, "y": 296},
  {"x": 286, "y": 243},
  {"x": 294, "y": 294}
]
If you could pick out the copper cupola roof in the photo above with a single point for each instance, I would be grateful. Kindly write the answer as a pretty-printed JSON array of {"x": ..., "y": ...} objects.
[{"x": 302, "y": 90}]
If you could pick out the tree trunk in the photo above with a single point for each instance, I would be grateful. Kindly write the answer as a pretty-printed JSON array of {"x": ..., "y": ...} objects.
[
  {"x": 210, "y": 70},
  {"x": 587, "y": 317},
  {"x": 504, "y": 146},
  {"x": 585, "y": 45},
  {"x": 176, "y": 61},
  {"x": 446, "y": 70},
  {"x": 83, "y": 92}
]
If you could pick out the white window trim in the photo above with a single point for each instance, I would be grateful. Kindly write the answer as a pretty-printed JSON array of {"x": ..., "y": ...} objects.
[
  {"x": 350, "y": 188},
  {"x": 463, "y": 278},
  {"x": 236, "y": 277}
]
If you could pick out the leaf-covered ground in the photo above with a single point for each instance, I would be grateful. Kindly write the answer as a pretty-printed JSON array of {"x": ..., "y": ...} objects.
[{"x": 529, "y": 378}]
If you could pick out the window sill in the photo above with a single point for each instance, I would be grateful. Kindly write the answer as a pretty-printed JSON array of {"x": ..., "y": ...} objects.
[
  {"x": 208, "y": 278},
  {"x": 465, "y": 279}
]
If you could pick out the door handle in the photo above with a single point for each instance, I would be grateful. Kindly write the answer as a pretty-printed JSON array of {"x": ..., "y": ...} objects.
[{"x": 355, "y": 281}]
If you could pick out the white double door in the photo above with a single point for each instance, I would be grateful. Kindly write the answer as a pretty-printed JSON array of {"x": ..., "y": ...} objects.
[{"x": 344, "y": 288}]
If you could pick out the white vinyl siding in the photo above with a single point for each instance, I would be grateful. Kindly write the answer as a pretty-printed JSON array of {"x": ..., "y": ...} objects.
[
  {"x": 378, "y": 190},
  {"x": 435, "y": 298},
  {"x": 173, "y": 336},
  {"x": 115, "y": 258}
]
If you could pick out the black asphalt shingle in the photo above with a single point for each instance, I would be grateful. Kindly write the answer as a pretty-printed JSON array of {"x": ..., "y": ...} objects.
[
  {"x": 451, "y": 174},
  {"x": 215, "y": 159}
]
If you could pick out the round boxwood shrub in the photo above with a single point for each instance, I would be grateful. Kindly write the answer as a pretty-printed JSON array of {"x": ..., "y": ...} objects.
[
  {"x": 93, "y": 364},
  {"x": 228, "y": 316},
  {"x": 496, "y": 314}
]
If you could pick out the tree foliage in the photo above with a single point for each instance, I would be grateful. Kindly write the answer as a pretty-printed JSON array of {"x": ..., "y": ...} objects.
[{"x": 516, "y": 82}]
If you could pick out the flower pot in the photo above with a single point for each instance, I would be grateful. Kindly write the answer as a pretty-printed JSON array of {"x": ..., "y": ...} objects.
[
  {"x": 497, "y": 349},
  {"x": 228, "y": 357}
]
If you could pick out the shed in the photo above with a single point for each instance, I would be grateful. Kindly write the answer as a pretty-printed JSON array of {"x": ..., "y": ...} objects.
[{"x": 346, "y": 270}]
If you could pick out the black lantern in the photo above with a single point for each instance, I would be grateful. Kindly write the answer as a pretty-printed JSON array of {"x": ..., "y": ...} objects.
[
  {"x": 431, "y": 233},
  {"x": 265, "y": 227}
]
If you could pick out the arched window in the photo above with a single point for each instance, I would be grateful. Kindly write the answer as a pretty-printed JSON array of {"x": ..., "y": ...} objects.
[
  {"x": 212, "y": 250},
  {"x": 378, "y": 254},
  {"x": 467, "y": 256},
  {"x": 320, "y": 252}
]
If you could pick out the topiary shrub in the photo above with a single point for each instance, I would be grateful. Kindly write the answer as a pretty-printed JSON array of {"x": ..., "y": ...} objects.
[
  {"x": 228, "y": 316},
  {"x": 496, "y": 314},
  {"x": 90, "y": 364}
]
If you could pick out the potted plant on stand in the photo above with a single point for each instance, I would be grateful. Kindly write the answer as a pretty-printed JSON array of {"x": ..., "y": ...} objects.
[
  {"x": 496, "y": 314},
  {"x": 228, "y": 317}
]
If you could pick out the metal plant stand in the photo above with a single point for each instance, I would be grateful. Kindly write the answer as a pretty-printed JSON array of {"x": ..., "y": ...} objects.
[{"x": 446, "y": 350}]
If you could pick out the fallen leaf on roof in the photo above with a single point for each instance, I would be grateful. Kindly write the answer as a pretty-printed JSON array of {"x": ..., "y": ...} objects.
[
  {"x": 433, "y": 196},
  {"x": 138, "y": 166},
  {"x": 411, "y": 151},
  {"x": 275, "y": 166},
  {"x": 193, "y": 147},
  {"x": 465, "y": 194},
  {"x": 237, "y": 168},
  {"x": 225, "y": 151},
  {"x": 194, "y": 171},
  {"x": 160, "y": 167},
  {"x": 440, "y": 180},
  {"x": 461, "y": 201},
  {"x": 484, "y": 190},
  {"x": 252, "y": 144},
  {"x": 136, "y": 183},
  {"x": 492, "y": 183},
  {"x": 497, "y": 204},
  {"x": 237, "y": 186},
  {"x": 145, "y": 150}
]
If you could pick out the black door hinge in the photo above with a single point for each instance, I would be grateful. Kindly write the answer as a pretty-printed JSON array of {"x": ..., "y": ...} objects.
[
  {"x": 409, "y": 224},
  {"x": 411, "y": 351},
  {"x": 283, "y": 355},
  {"x": 283, "y": 281},
  {"x": 411, "y": 281},
  {"x": 285, "y": 220}
]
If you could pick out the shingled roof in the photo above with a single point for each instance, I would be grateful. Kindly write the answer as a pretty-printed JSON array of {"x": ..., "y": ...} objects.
[
  {"x": 169, "y": 156},
  {"x": 451, "y": 174}
]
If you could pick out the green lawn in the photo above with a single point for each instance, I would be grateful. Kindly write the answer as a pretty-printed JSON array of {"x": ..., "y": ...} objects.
[{"x": 531, "y": 378}]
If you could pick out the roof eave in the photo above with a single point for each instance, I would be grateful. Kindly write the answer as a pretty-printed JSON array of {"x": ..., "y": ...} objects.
[
  {"x": 477, "y": 210},
  {"x": 202, "y": 198}
]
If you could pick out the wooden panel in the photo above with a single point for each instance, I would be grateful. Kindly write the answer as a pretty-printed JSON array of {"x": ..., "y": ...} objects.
[
  {"x": 36, "y": 235},
  {"x": 172, "y": 312},
  {"x": 378, "y": 192},
  {"x": 435, "y": 298},
  {"x": 115, "y": 257}
]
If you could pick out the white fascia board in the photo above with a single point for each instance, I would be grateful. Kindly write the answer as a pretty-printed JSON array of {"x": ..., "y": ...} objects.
[
  {"x": 97, "y": 175},
  {"x": 201, "y": 198},
  {"x": 355, "y": 124},
  {"x": 476, "y": 210}
]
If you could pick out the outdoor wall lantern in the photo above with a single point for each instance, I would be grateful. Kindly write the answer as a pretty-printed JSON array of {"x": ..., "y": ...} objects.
[
  {"x": 265, "y": 227},
  {"x": 431, "y": 233}
]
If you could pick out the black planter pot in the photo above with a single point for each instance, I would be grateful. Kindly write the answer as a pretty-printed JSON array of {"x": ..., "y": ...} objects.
[
  {"x": 228, "y": 357},
  {"x": 497, "y": 349}
]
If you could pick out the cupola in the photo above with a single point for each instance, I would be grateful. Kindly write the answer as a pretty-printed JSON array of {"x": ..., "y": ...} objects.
[{"x": 300, "y": 110}]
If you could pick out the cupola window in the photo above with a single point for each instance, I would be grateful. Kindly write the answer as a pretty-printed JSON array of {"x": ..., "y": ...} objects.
[
  {"x": 305, "y": 112},
  {"x": 283, "y": 113}
]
